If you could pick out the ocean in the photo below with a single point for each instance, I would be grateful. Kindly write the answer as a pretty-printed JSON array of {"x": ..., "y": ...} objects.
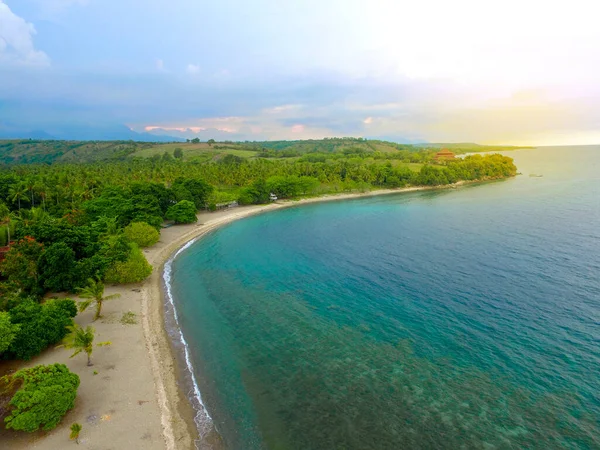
[{"x": 449, "y": 319}]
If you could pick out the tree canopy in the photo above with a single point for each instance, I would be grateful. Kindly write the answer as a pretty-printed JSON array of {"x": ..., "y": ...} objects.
[
  {"x": 45, "y": 395},
  {"x": 142, "y": 234},
  {"x": 182, "y": 212}
]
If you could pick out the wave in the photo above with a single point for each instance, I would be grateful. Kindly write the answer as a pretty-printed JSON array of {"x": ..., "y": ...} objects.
[{"x": 203, "y": 420}]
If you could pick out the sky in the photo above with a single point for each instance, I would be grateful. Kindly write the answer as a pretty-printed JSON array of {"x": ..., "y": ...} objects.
[{"x": 522, "y": 72}]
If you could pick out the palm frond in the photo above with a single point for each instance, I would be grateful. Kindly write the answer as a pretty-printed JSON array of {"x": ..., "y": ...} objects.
[
  {"x": 85, "y": 304},
  {"x": 77, "y": 352}
]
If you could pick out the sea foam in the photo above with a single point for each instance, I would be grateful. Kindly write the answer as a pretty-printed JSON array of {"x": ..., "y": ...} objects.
[{"x": 202, "y": 418}]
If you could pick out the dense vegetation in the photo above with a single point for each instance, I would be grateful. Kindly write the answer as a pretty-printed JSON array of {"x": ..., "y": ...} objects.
[{"x": 28, "y": 151}]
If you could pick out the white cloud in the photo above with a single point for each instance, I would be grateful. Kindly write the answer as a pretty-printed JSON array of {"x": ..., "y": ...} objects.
[
  {"x": 16, "y": 40},
  {"x": 193, "y": 68},
  {"x": 368, "y": 120},
  {"x": 160, "y": 65},
  {"x": 282, "y": 109}
]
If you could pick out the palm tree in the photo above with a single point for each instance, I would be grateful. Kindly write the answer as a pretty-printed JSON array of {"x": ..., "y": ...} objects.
[
  {"x": 42, "y": 189},
  {"x": 81, "y": 340},
  {"x": 5, "y": 219},
  {"x": 30, "y": 185},
  {"x": 94, "y": 292},
  {"x": 75, "y": 430},
  {"x": 17, "y": 192}
]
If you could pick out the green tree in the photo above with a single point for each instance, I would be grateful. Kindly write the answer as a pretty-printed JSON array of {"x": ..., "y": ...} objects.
[
  {"x": 75, "y": 430},
  {"x": 8, "y": 331},
  {"x": 210, "y": 142},
  {"x": 195, "y": 141},
  {"x": 39, "y": 325},
  {"x": 142, "y": 234},
  {"x": 114, "y": 249},
  {"x": 20, "y": 265},
  {"x": 182, "y": 212},
  {"x": 257, "y": 193},
  {"x": 135, "y": 269},
  {"x": 5, "y": 219},
  {"x": 45, "y": 395},
  {"x": 81, "y": 340},
  {"x": 196, "y": 190},
  {"x": 17, "y": 193},
  {"x": 94, "y": 293},
  {"x": 178, "y": 153},
  {"x": 57, "y": 268}
]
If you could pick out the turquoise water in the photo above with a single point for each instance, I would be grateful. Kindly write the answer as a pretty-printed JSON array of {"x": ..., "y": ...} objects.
[{"x": 462, "y": 318}]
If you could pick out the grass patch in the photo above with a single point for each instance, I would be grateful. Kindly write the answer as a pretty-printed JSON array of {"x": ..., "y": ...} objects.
[
  {"x": 128, "y": 318},
  {"x": 201, "y": 151}
]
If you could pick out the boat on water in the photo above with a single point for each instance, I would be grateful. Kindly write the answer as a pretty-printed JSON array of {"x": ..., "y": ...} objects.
[{"x": 535, "y": 175}]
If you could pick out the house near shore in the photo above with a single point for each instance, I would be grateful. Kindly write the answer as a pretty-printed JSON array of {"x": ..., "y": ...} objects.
[
  {"x": 444, "y": 155},
  {"x": 226, "y": 205}
]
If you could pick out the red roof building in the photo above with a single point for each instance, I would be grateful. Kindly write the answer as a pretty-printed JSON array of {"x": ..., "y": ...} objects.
[{"x": 444, "y": 155}]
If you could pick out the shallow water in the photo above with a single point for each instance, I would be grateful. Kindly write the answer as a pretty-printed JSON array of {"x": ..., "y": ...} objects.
[{"x": 463, "y": 318}]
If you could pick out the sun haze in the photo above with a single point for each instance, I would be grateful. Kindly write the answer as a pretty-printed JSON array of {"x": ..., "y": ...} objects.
[{"x": 509, "y": 72}]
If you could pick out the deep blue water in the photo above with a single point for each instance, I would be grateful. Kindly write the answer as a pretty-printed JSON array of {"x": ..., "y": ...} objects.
[{"x": 460, "y": 318}]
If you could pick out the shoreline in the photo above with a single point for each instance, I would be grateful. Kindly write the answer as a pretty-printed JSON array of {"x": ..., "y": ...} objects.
[{"x": 182, "y": 411}]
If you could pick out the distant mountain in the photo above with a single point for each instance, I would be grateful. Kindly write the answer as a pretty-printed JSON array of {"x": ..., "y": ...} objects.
[
  {"x": 83, "y": 133},
  {"x": 203, "y": 135}
]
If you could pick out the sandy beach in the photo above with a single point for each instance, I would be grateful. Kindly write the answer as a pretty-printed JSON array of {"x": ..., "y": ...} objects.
[{"x": 131, "y": 398}]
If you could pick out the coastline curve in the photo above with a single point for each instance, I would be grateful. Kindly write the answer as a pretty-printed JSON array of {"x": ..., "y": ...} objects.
[{"x": 179, "y": 420}]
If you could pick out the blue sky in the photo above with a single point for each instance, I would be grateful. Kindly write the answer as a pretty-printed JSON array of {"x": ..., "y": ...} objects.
[{"x": 507, "y": 72}]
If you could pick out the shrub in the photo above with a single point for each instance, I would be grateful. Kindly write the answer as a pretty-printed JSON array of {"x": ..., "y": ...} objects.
[
  {"x": 182, "y": 212},
  {"x": 39, "y": 325},
  {"x": 45, "y": 396},
  {"x": 133, "y": 270},
  {"x": 142, "y": 234}
]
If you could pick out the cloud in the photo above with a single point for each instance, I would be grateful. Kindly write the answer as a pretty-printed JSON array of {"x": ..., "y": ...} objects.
[
  {"x": 160, "y": 65},
  {"x": 282, "y": 109},
  {"x": 311, "y": 106},
  {"x": 16, "y": 40},
  {"x": 193, "y": 69}
]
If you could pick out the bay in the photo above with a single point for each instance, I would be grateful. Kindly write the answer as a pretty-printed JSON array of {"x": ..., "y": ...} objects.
[{"x": 458, "y": 318}]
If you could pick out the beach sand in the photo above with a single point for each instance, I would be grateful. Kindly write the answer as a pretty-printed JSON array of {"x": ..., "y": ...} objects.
[{"x": 134, "y": 401}]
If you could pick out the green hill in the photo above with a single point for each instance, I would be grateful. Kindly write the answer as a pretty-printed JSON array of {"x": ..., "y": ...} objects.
[{"x": 27, "y": 151}]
